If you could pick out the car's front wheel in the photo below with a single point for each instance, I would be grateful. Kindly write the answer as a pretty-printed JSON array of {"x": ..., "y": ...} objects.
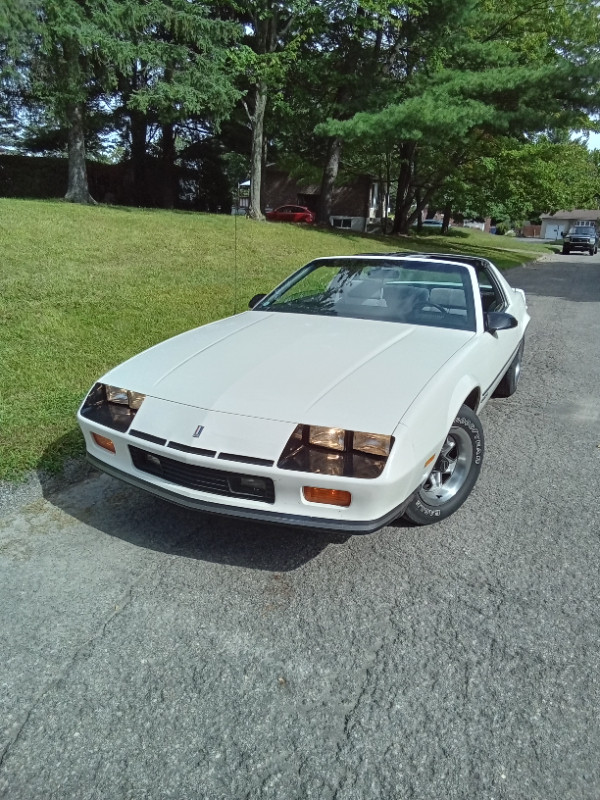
[{"x": 454, "y": 473}]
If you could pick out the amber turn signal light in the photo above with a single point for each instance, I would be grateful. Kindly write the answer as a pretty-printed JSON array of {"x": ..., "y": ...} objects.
[
  {"x": 332, "y": 497},
  {"x": 103, "y": 441}
]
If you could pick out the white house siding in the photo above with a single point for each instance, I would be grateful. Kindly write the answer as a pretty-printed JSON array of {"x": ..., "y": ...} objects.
[
  {"x": 555, "y": 224},
  {"x": 552, "y": 229}
]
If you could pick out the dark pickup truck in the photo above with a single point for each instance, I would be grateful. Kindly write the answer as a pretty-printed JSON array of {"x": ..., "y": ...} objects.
[{"x": 581, "y": 237}]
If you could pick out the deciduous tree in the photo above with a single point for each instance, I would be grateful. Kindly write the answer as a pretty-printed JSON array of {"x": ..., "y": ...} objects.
[{"x": 464, "y": 71}]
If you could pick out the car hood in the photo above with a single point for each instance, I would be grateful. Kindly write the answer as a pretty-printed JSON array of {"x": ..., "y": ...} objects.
[{"x": 318, "y": 370}]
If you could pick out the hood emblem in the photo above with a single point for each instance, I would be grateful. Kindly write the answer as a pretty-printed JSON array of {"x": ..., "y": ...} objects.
[{"x": 198, "y": 431}]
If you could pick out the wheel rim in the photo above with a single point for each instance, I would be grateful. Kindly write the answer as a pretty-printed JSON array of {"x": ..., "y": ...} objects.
[
  {"x": 517, "y": 366},
  {"x": 451, "y": 469},
  {"x": 517, "y": 369}
]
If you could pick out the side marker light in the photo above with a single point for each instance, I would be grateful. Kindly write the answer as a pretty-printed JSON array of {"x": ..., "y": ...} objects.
[
  {"x": 429, "y": 460},
  {"x": 332, "y": 497},
  {"x": 104, "y": 442}
]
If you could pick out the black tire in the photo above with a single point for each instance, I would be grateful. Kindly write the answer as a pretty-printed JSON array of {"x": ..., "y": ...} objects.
[
  {"x": 565, "y": 251},
  {"x": 454, "y": 473},
  {"x": 508, "y": 384},
  {"x": 591, "y": 251}
]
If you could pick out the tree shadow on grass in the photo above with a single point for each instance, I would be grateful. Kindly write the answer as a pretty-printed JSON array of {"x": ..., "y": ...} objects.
[
  {"x": 505, "y": 254},
  {"x": 63, "y": 460},
  {"x": 143, "y": 520}
]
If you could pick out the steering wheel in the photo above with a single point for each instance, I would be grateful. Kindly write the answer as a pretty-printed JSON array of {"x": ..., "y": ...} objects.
[{"x": 429, "y": 304}]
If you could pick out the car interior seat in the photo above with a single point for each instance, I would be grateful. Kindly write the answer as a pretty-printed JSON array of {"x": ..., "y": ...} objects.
[
  {"x": 403, "y": 300},
  {"x": 450, "y": 299}
]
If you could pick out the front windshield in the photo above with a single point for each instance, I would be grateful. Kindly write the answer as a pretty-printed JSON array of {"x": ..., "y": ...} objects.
[
  {"x": 584, "y": 231},
  {"x": 416, "y": 292}
]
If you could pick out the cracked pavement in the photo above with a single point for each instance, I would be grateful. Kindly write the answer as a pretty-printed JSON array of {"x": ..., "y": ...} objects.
[{"x": 150, "y": 652}]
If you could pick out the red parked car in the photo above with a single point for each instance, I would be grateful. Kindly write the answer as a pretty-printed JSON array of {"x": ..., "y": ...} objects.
[{"x": 291, "y": 214}]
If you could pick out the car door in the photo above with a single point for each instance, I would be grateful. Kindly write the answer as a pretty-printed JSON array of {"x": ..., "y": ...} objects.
[{"x": 496, "y": 350}]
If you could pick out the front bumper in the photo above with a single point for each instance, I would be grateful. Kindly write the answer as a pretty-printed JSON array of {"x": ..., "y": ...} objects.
[
  {"x": 579, "y": 245},
  {"x": 227, "y": 464},
  {"x": 255, "y": 514}
]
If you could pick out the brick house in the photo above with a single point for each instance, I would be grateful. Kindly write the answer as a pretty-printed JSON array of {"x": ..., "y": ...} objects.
[{"x": 355, "y": 206}]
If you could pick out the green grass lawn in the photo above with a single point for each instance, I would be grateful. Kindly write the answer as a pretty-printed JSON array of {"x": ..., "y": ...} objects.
[{"x": 83, "y": 288}]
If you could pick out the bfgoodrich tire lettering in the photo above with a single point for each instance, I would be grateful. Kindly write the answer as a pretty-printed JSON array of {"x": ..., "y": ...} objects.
[{"x": 454, "y": 473}]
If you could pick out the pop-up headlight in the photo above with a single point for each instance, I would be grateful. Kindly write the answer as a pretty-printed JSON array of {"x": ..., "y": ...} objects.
[
  {"x": 112, "y": 406},
  {"x": 335, "y": 451}
]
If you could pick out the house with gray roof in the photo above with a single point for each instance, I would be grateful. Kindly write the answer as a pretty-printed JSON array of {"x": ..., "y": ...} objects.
[{"x": 554, "y": 226}]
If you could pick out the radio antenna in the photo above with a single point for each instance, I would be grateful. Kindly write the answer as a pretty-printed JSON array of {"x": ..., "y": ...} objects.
[{"x": 235, "y": 216}]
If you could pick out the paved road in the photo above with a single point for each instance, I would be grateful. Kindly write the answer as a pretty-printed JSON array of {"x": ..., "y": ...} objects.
[{"x": 148, "y": 652}]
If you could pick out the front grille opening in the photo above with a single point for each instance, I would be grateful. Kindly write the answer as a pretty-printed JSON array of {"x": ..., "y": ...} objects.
[{"x": 204, "y": 479}]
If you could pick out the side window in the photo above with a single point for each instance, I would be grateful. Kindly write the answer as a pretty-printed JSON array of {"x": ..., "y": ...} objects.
[{"x": 492, "y": 298}]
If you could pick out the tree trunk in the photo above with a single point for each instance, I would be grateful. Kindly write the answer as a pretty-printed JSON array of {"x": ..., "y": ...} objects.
[
  {"x": 77, "y": 189},
  {"x": 382, "y": 202},
  {"x": 139, "y": 130},
  {"x": 421, "y": 202},
  {"x": 168, "y": 157},
  {"x": 263, "y": 174},
  {"x": 446, "y": 220},
  {"x": 334, "y": 154},
  {"x": 256, "y": 157},
  {"x": 405, "y": 194}
]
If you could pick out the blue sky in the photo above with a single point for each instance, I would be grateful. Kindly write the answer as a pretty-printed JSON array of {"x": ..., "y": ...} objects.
[{"x": 594, "y": 141}]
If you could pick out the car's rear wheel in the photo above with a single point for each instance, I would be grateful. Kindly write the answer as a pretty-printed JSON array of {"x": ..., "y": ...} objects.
[
  {"x": 454, "y": 473},
  {"x": 508, "y": 384}
]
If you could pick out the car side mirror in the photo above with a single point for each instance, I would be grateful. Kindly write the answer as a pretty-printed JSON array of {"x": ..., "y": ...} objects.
[
  {"x": 256, "y": 299},
  {"x": 499, "y": 321},
  {"x": 562, "y": 233}
]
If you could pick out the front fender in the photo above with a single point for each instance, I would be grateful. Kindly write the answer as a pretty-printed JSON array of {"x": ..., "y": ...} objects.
[
  {"x": 430, "y": 417},
  {"x": 438, "y": 404}
]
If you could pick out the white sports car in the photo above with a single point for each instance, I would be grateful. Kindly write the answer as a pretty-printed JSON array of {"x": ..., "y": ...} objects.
[{"x": 345, "y": 398}]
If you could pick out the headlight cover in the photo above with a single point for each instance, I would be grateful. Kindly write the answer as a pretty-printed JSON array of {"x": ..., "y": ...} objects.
[
  {"x": 114, "y": 394},
  {"x": 112, "y": 406},
  {"x": 374, "y": 443},
  {"x": 332, "y": 438},
  {"x": 335, "y": 451}
]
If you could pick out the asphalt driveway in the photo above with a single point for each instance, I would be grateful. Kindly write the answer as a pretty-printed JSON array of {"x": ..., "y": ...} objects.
[{"x": 150, "y": 652}]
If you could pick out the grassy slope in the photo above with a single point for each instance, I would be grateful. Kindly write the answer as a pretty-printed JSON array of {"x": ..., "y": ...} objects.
[{"x": 81, "y": 289}]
